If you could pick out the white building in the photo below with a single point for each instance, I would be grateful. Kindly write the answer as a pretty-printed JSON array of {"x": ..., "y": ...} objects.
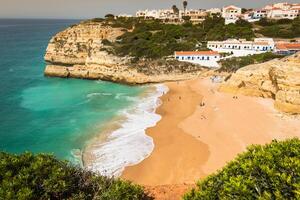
[
  {"x": 203, "y": 58},
  {"x": 231, "y": 14},
  {"x": 167, "y": 15},
  {"x": 260, "y": 13},
  {"x": 124, "y": 16},
  {"x": 214, "y": 11},
  {"x": 282, "y": 11},
  {"x": 197, "y": 16},
  {"x": 242, "y": 47}
]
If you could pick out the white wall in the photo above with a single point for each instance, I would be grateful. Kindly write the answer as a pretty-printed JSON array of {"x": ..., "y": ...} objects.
[{"x": 212, "y": 62}]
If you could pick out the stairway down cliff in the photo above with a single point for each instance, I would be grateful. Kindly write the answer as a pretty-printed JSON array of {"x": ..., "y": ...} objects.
[
  {"x": 277, "y": 79},
  {"x": 80, "y": 52}
]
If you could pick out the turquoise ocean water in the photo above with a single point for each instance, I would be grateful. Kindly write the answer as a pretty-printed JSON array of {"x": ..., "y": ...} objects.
[{"x": 50, "y": 115}]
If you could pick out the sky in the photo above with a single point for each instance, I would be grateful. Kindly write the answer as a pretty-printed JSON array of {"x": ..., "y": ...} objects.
[{"x": 82, "y": 9}]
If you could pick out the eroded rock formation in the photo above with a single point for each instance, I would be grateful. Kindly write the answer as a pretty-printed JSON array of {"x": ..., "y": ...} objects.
[
  {"x": 81, "y": 51},
  {"x": 277, "y": 79}
]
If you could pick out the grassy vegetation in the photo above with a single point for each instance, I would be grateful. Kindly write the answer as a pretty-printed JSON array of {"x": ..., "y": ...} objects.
[
  {"x": 235, "y": 63},
  {"x": 283, "y": 28},
  {"x": 263, "y": 172},
  {"x": 43, "y": 177},
  {"x": 154, "y": 39}
]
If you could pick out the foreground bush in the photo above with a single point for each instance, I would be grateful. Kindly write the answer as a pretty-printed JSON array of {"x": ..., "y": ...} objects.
[
  {"x": 43, "y": 177},
  {"x": 263, "y": 172}
]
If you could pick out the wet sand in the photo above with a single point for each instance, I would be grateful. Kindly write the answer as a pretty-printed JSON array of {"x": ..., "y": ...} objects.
[{"x": 193, "y": 141}]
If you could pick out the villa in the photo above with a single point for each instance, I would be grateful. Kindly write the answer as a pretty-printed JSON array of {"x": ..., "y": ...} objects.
[
  {"x": 231, "y": 14},
  {"x": 242, "y": 47},
  {"x": 197, "y": 16},
  {"x": 204, "y": 58},
  {"x": 282, "y": 11},
  {"x": 168, "y": 15}
]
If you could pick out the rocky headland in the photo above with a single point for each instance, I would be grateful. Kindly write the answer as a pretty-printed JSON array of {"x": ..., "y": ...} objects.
[
  {"x": 81, "y": 51},
  {"x": 278, "y": 79}
]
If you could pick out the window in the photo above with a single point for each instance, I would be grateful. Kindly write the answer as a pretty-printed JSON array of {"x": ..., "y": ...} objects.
[
  {"x": 177, "y": 57},
  {"x": 207, "y": 57}
]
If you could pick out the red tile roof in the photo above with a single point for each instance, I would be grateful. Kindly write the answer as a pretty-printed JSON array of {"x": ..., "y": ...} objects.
[
  {"x": 288, "y": 46},
  {"x": 198, "y": 53}
]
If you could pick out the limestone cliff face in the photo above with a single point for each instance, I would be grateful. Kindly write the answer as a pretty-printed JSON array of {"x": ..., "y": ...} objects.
[
  {"x": 277, "y": 79},
  {"x": 80, "y": 52}
]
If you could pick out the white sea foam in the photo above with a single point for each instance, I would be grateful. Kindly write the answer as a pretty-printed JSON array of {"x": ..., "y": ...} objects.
[
  {"x": 129, "y": 144},
  {"x": 98, "y": 94}
]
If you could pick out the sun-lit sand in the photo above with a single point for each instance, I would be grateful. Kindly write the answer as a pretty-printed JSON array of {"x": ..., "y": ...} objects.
[{"x": 193, "y": 141}]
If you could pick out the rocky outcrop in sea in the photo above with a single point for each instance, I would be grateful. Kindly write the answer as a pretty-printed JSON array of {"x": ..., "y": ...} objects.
[
  {"x": 81, "y": 51},
  {"x": 278, "y": 79}
]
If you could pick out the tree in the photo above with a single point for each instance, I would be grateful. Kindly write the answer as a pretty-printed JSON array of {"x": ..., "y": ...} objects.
[
  {"x": 186, "y": 18},
  {"x": 185, "y": 3},
  {"x": 109, "y": 16},
  {"x": 296, "y": 26},
  {"x": 271, "y": 171},
  {"x": 175, "y": 9}
]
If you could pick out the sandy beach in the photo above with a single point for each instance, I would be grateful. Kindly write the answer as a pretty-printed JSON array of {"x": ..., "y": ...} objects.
[{"x": 193, "y": 141}]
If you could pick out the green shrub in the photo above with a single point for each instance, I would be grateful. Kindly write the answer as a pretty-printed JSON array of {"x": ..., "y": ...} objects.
[
  {"x": 283, "y": 28},
  {"x": 154, "y": 39},
  {"x": 27, "y": 176},
  {"x": 235, "y": 63},
  {"x": 263, "y": 172}
]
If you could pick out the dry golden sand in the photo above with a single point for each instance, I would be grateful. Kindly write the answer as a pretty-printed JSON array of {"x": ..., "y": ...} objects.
[{"x": 192, "y": 141}]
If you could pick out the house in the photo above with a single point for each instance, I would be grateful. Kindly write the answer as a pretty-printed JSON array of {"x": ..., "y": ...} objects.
[
  {"x": 124, "y": 16},
  {"x": 242, "y": 47},
  {"x": 231, "y": 14},
  {"x": 148, "y": 14},
  {"x": 197, "y": 16},
  {"x": 166, "y": 15},
  {"x": 260, "y": 13},
  {"x": 282, "y": 11},
  {"x": 203, "y": 58},
  {"x": 287, "y": 48},
  {"x": 214, "y": 11}
]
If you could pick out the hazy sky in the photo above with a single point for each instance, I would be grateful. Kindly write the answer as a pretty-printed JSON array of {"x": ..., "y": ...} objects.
[{"x": 98, "y": 8}]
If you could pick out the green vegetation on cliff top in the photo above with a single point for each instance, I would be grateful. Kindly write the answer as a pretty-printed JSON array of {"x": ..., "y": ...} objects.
[
  {"x": 284, "y": 28},
  {"x": 154, "y": 39},
  {"x": 235, "y": 63}
]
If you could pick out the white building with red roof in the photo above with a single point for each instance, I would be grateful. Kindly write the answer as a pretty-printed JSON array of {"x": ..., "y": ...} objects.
[
  {"x": 203, "y": 58},
  {"x": 287, "y": 48},
  {"x": 231, "y": 14},
  {"x": 283, "y": 11}
]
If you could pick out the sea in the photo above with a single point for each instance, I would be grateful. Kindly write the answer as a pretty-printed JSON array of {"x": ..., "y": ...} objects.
[{"x": 63, "y": 116}]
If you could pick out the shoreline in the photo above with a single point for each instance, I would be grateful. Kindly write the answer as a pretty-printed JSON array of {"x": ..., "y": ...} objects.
[
  {"x": 123, "y": 141},
  {"x": 162, "y": 167},
  {"x": 193, "y": 141}
]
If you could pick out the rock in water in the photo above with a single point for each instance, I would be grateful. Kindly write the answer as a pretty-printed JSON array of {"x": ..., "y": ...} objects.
[{"x": 277, "y": 79}]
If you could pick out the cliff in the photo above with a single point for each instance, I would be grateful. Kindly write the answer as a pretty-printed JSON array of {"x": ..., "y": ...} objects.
[
  {"x": 277, "y": 79},
  {"x": 81, "y": 51}
]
